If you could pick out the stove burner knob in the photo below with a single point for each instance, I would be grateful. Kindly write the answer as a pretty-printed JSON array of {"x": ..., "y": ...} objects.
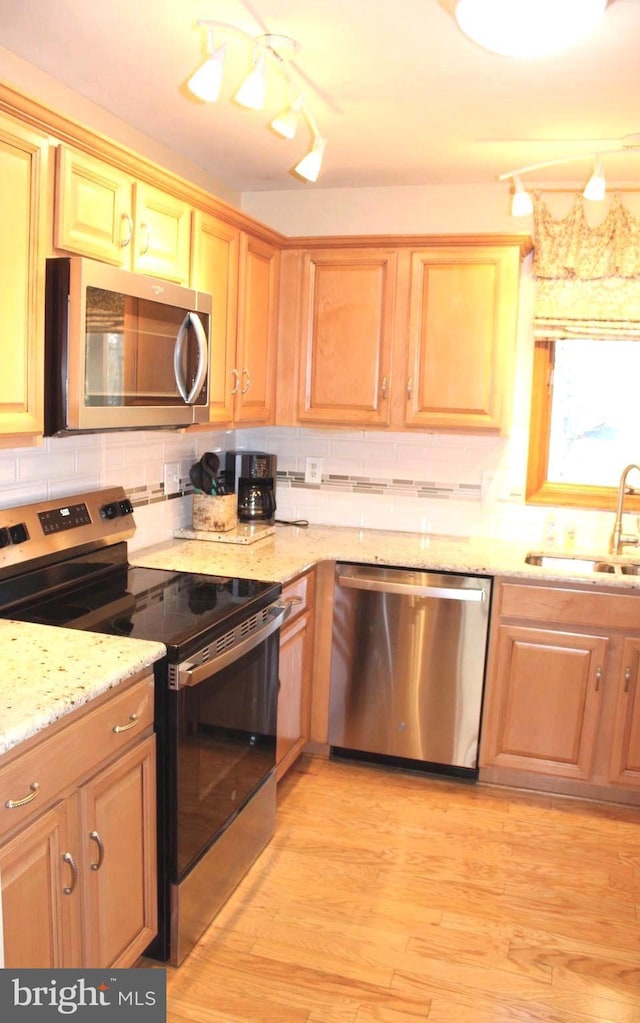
[
  {"x": 126, "y": 508},
  {"x": 110, "y": 511},
  {"x": 18, "y": 533},
  {"x": 5, "y": 539}
]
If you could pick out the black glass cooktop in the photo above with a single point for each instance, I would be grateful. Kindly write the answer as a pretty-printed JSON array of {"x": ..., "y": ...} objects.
[{"x": 179, "y": 609}]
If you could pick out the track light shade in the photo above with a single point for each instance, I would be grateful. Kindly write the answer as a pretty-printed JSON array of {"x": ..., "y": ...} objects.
[
  {"x": 521, "y": 204},
  {"x": 252, "y": 91},
  {"x": 309, "y": 166},
  {"x": 596, "y": 185},
  {"x": 206, "y": 81},
  {"x": 286, "y": 123},
  {"x": 528, "y": 28}
]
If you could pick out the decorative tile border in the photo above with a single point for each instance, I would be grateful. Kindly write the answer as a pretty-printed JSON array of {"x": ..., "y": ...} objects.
[{"x": 350, "y": 484}]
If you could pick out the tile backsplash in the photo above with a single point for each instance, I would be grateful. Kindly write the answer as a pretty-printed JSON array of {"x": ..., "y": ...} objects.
[{"x": 422, "y": 482}]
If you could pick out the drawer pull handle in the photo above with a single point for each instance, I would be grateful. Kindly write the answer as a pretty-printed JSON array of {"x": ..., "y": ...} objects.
[
  {"x": 144, "y": 248},
  {"x": 627, "y": 678},
  {"x": 13, "y": 804},
  {"x": 245, "y": 388},
  {"x": 409, "y": 387},
  {"x": 95, "y": 837},
  {"x": 293, "y": 600},
  {"x": 69, "y": 889},
  {"x": 384, "y": 387},
  {"x": 133, "y": 721},
  {"x": 598, "y": 678},
  {"x": 236, "y": 376}
]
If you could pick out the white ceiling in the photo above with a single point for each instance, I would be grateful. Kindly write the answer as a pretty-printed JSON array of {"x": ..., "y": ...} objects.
[{"x": 402, "y": 96}]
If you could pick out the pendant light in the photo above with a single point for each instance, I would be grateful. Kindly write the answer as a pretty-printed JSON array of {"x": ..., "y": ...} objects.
[
  {"x": 521, "y": 204},
  {"x": 286, "y": 123},
  {"x": 252, "y": 91},
  {"x": 309, "y": 166},
  {"x": 596, "y": 185},
  {"x": 206, "y": 81}
]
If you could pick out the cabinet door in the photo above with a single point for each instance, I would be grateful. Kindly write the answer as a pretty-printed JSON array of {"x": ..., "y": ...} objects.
[
  {"x": 39, "y": 894},
  {"x": 215, "y": 267},
  {"x": 162, "y": 235},
  {"x": 257, "y": 325},
  {"x": 348, "y": 300},
  {"x": 293, "y": 697},
  {"x": 545, "y": 701},
  {"x": 23, "y": 160},
  {"x": 625, "y": 745},
  {"x": 93, "y": 211},
  {"x": 117, "y": 813},
  {"x": 462, "y": 334}
]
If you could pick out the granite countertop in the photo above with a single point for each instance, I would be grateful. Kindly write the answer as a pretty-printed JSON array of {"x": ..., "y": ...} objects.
[
  {"x": 49, "y": 672},
  {"x": 292, "y": 550}
]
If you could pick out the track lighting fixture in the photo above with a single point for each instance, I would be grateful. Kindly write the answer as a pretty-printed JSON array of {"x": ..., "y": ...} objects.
[
  {"x": 267, "y": 49},
  {"x": 595, "y": 189},
  {"x": 528, "y": 28}
]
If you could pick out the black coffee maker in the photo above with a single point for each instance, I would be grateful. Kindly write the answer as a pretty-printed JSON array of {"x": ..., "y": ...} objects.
[{"x": 252, "y": 474}]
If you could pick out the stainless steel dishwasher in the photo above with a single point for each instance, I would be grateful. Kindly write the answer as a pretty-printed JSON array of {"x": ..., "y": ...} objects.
[{"x": 407, "y": 666}]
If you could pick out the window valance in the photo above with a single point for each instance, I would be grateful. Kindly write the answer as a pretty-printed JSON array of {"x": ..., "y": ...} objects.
[{"x": 587, "y": 277}]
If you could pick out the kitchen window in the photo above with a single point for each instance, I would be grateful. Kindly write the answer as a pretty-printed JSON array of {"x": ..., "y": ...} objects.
[{"x": 585, "y": 421}]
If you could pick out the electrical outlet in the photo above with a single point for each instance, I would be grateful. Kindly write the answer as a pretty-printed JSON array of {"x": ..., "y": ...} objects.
[
  {"x": 313, "y": 471},
  {"x": 171, "y": 478}
]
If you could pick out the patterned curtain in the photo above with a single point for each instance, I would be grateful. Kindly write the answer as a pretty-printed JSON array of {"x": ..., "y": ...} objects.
[{"x": 587, "y": 278}]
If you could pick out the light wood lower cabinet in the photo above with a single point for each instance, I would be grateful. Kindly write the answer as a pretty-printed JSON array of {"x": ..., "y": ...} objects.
[
  {"x": 563, "y": 693},
  {"x": 296, "y": 654},
  {"x": 78, "y": 874}
]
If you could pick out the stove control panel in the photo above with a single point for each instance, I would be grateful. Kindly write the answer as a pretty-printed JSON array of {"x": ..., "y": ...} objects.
[
  {"x": 66, "y": 517},
  {"x": 33, "y": 534}
]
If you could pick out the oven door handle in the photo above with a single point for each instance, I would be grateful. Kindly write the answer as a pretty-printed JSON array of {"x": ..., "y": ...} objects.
[{"x": 190, "y": 674}]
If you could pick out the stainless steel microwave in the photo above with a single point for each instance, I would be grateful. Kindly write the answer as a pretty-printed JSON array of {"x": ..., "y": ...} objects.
[{"x": 122, "y": 351}]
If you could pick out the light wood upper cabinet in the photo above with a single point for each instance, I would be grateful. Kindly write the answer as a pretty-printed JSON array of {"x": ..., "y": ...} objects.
[
  {"x": 23, "y": 221},
  {"x": 462, "y": 328},
  {"x": 348, "y": 303},
  {"x": 401, "y": 336},
  {"x": 255, "y": 379},
  {"x": 241, "y": 273},
  {"x": 103, "y": 213}
]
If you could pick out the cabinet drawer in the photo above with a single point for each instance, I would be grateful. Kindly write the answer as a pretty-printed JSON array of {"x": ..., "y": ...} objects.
[
  {"x": 56, "y": 763},
  {"x": 300, "y": 593},
  {"x": 577, "y": 607}
]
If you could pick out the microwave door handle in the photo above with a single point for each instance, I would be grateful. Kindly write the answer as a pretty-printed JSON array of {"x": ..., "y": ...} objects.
[{"x": 191, "y": 320}]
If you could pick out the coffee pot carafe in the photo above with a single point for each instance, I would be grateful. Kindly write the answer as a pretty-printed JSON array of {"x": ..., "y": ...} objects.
[{"x": 253, "y": 475}]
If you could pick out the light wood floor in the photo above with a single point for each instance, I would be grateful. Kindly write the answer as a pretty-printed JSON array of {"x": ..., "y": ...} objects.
[{"x": 388, "y": 897}]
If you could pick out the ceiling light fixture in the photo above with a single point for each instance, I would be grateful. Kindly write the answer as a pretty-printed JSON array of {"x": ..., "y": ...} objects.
[
  {"x": 595, "y": 189},
  {"x": 267, "y": 49},
  {"x": 251, "y": 93},
  {"x": 528, "y": 28},
  {"x": 205, "y": 82}
]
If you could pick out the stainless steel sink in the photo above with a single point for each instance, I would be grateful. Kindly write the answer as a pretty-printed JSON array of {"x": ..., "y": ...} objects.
[{"x": 582, "y": 565}]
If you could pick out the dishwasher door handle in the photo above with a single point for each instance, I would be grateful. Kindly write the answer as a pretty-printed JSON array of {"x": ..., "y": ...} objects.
[{"x": 355, "y": 582}]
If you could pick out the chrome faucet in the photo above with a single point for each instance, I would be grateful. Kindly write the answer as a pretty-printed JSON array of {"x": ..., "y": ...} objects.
[{"x": 618, "y": 538}]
